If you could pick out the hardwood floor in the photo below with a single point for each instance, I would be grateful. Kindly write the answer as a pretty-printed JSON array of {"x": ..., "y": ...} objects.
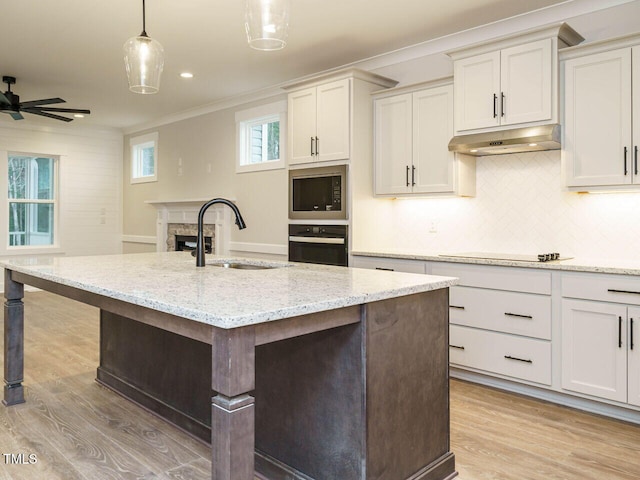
[{"x": 79, "y": 430}]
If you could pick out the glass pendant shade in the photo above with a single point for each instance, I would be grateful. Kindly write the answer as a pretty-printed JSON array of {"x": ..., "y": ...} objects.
[
  {"x": 267, "y": 23},
  {"x": 144, "y": 60}
]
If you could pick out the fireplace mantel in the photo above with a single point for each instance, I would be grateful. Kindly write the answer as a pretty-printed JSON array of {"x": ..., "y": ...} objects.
[{"x": 186, "y": 212}]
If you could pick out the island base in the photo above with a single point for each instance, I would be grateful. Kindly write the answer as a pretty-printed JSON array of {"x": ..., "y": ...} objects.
[{"x": 369, "y": 400}]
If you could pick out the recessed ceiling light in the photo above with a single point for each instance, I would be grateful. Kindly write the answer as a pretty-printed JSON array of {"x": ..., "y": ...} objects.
[
  {"x": 474, "y": 150},
  {"x": 78, "y": 115},
  {"x": 186, "y": 75},
  {"x": 533, "y": 144}
]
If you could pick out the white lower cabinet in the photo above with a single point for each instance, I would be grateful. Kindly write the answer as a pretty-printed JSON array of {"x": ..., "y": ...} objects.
[
  {"x": 599, "y": 355},
  {"x": 600, "y": 318},
  {"x": 517, "y": 357},
  {"x": 594, "y": 353},
  {"x": 500, "y": 321}
]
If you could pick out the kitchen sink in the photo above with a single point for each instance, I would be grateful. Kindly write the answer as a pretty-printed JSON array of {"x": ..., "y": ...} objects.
[
  {"x": 242, "y": 266},
  {"x": 246, "y": 265}
]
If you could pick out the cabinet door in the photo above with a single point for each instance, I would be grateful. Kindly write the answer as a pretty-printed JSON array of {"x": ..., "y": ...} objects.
[
  {"x": 333, "y": 121},
  {"x": 597, "y": 123},
  {"x": 393, "y": 119},
  {"x": 526, "y": 80},
  {"x": 477, "y": 86},
  {"x": 634, "y": 356},
  {"x": 594, "y": 349},
  {"x": 636, "y": 113},
  {"x": 432, "y": 129},
  {"x": 302, "y": 126}
]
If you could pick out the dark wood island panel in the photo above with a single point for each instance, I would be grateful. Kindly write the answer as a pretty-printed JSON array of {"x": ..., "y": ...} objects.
[{"x": 366, "y": 399}]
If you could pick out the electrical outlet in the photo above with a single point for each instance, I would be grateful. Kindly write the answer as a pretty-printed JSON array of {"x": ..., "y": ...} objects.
[{"x": 433, "y": 227}]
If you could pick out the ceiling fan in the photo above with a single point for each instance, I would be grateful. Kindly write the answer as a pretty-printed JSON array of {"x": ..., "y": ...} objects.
[{"x": 10, "y": 103}]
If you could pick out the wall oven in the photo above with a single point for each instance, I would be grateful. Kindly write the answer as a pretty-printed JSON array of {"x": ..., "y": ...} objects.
[
  {"x": 324, "y": 244},
  {"x": 318, "y": 193}
]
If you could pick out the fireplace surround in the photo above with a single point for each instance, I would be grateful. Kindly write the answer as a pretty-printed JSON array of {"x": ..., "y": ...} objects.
[{"x": 180, "y": 217}]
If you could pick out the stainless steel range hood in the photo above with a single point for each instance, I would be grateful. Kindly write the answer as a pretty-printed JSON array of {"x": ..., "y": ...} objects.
[{"x": 525, "y": 139}]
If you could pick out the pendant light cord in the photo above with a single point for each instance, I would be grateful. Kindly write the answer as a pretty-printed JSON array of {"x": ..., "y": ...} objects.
[{"x": 144, "y": 30}]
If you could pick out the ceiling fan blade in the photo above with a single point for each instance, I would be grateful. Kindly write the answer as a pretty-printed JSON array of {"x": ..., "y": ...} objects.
[
  {"x": 35, "y": 111},
  {"x": 16, "y": 115},
  {"x": 67, "y": 110},
  {"x": 4, "y": 100},
  {"x": 44, "y": 101}
]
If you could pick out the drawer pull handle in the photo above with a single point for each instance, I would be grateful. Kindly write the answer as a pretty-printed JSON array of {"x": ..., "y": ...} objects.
[
  {"x": 456, "y": 346},
  {"x": 613, "y": 290},
  {"x": 619, "y": 332},
  {"x": 385, "y": 269},
  {"x": 509, "y": 357},
  {"x": 517, "y": 315},
  {"x": 456, "y": 306},
  {"x": 631, "y": 335}
]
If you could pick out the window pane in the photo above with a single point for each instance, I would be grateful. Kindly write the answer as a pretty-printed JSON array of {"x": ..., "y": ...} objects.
[
  {"x": 45, "y": 178},
  {"x": 17, "y": 177},
  {"x": 30, "y": 224},
  {"x": 30, "y": 177},
  {"x": 17, "y": 223},
  {"x": 148, "y": 165},
  {"x": 273, "y": 141},
  {"x": 255, "y": 155}
]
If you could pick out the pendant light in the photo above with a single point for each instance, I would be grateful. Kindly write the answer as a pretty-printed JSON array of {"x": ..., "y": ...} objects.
[
  {"x": 143, "y": 59},
  {"x": 267, "y": 23}
]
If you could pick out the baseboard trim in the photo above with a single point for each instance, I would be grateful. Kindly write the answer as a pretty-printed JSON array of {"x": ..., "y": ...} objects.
[
  {"x": 147, "y": 239},
  {"x": 553, "y": 396},
  {"x": 269, "y": 248}
]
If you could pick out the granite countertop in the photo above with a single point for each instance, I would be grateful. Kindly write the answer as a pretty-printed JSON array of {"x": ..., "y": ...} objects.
[
  {"x": 620, "y": 267},
  {"x": 224, "y": 297}
]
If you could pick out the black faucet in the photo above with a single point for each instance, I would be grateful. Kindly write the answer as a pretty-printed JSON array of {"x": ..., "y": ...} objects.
[{"x": 200, "y": 240}]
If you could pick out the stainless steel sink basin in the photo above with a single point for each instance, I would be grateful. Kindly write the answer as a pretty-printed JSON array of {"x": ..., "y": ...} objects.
[{"x": 243, "y": 266}]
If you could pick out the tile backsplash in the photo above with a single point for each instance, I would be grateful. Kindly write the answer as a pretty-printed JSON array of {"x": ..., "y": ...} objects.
[{"x": 520, "y": 207}]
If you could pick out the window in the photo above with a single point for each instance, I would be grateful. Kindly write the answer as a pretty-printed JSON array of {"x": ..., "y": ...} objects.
[
  {"x": 144, "y": 158},
  {"x": 261, "y": 137},
  {"x": 32, "y": 200}
]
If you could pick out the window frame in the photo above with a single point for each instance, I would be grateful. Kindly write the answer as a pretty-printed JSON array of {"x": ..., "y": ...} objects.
[
  {"x": 247, "y": 119},
  {"x": 136, "y": 144},
  {"x": 54, "y": 201}
]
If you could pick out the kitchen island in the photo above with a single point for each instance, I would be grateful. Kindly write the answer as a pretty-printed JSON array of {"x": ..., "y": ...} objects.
[{"x": 312, "y": 371}]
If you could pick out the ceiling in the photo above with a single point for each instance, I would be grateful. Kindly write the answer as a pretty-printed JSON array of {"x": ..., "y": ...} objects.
[{"x": 73, "y": 48}]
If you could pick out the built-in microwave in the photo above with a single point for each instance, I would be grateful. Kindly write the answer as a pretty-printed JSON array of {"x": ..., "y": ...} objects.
[{"x": 318, "y": 193}]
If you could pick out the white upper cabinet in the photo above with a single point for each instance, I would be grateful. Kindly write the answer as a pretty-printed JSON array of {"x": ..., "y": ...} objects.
[
  {"x": 510, "y": 81},
  {"x": 602, "y": 116},
  {"x": 526, "y": 78},
  {"x": 477, "y": 84},
  {"x": 319, "y": 123},
  {"x": 393, "y": 143},
  {"x": 412, "y": 131}
]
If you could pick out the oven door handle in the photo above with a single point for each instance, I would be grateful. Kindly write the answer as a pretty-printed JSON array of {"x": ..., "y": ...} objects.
[{"x": 329, "y": 240}]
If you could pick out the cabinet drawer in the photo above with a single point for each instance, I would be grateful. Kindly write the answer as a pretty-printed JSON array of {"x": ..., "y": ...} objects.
[
  {"x": 498, "y": 278},
  {"x": 510, "y": 312},
  {"x": 607, "y": 288},
  {"x": 394, "y": 264},
  {"x": 523, "y": 358}
]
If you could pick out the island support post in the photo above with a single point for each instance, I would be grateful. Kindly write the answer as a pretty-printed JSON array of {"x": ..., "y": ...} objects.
[
  {"x": 13, "y": 341},
  {"x": 233, "y": 409}
]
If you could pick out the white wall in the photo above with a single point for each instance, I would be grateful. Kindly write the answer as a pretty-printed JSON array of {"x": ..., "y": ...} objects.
[{"x": 90, "y": 183}]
